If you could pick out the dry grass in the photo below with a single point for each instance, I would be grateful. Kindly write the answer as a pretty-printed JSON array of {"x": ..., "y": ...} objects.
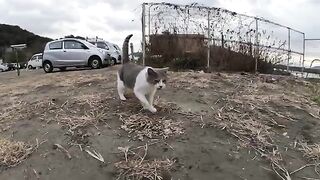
[
  {"x": 13, "y": 153},
  {"x": 166, "y": 107},
  {"x": 242, "y": 122},
  {"x": 251, "y": 112},
  {"x": 135, "y": 169},
  {"x": 140, "y": 126},
  {"x": 12, "y": 111},
  {"x": 77, "y": 113},
  {"x": 135, "y": 166},
  {"x": 83, "y": 79},
  {"x": 312, "y": 152},
  {"x": 253, "y": 127},
  {"x": 189, "y": 80}
]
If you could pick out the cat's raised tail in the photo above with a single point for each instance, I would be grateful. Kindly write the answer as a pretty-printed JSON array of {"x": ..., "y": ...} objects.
[{"x": 125, "y": 49}]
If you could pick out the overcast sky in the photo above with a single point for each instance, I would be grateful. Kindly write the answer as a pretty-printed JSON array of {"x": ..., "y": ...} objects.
[{"x": 114, "y": 19}]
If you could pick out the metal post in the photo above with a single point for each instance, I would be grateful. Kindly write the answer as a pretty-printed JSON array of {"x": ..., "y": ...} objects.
[
  {"x": 289, "y": 48},
  {"x": 143, "y": 34},
  {"x": 209, "y": 41},
  {"x": 15, "y": 49},
  {"x": 304, "y": 52},
  {"x": 257, "y": 46},
  {"x": 149, "y": 21},
  {"x": 17, "y": 61},
  {"x": 222, "y": 40}
]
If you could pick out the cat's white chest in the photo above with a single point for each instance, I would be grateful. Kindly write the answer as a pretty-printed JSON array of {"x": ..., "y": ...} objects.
[{"x": 142, "y": 84}]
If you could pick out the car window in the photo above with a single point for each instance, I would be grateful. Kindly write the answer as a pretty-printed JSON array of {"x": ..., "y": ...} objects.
[
  {"x": 107, "y": 46},
  {"x": 70, "y": 44},
  {"x": 40, "y": 57},
  {"x": 117, "y": 47},
  {"x": 56, "y": 45},
  {"x": 102, "y": 45},
  {"x": 33, "y": 58}
]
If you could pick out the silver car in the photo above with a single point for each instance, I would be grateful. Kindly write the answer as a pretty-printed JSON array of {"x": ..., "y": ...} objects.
[{"x": 70, "y": 52}]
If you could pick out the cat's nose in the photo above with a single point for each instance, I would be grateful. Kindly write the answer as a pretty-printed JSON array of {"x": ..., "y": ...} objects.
[{"x": 160, "y": 87}]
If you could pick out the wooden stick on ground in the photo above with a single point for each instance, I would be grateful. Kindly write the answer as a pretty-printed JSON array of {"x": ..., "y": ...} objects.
[{"x": 58, "y": 146}]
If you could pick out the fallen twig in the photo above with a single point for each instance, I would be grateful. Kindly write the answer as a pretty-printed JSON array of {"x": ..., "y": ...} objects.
[
  {"x": 95, "y": 155},
  {"x": 63, "y": 149},
  {"x": 285, "y": 174},
  {"x": 302, "y": 167},
  {"x": 36, "y": 174}
]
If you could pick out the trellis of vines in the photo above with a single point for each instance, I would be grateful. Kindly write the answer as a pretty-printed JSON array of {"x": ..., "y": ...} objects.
[{"x": 252, "y": 36}]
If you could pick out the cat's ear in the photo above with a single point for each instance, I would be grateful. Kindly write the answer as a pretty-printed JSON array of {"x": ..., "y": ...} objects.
[{"x": 151, "y": 72}]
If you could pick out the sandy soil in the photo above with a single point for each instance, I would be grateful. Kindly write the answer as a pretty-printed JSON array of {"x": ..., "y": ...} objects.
[{"x": 212, "y": 126}]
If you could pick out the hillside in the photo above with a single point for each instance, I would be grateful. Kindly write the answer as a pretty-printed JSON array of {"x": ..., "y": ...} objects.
[
  {"x": 15, "y": 35},
  {"x": 208, "y": 126}
]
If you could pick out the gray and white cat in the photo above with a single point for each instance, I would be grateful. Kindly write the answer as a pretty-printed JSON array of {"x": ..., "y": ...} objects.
[{"x": 143, "y": 80}]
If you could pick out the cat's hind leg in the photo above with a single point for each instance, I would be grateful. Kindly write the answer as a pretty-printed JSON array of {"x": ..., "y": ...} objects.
[{"x": 121, "y": 88}]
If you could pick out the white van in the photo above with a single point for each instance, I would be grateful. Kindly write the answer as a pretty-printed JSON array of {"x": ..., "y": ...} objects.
[
  {"x": 35, "y": 61},
  {"x": 118, "y": 52},
  {"x": 112, "y": 49}
]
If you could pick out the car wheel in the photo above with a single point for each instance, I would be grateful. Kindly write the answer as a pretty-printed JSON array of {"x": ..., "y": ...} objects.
[
  {"x": 95, "y": 64},
  {"x": 63, "y": 69},
  {"x": 113, "y": 62},
  {"x": 1, "y": 70},
  {"x": 30, "y": 67},
  {"x": 47, "y": 67}
]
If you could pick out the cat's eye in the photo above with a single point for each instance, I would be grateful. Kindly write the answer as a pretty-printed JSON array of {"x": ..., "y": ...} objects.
[
  {"x": 156, "y": 81},
  {"x": 164, "y": 81}
]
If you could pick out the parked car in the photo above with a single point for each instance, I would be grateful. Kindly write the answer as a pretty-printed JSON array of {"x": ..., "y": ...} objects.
[
  {"x": 3, "y": 68},
  {"x": 24, "y": 65},
  {"x": 118, "y": 51},
  {"x": 315, "y": 67},
  {"x": 18, "y": 65},
  {"x": 35, "y": 61},
  {"x": 10, "y": 66},
  {"x": 110, "y": 48},
  {"x": 71, "y": 52}
]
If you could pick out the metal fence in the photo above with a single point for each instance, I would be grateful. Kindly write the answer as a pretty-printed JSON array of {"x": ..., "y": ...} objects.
[
  {"x": 254, "y": 36},
  {"x": 312, "y": 56}
]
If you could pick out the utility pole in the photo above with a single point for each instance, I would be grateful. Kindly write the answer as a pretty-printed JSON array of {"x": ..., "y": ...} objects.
[{"x": 131, "y": 49}]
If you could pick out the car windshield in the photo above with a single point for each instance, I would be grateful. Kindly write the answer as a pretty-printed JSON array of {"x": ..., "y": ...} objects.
[
  {"x": 102, "y": 45},
  {"x": 90, "y": 44}
]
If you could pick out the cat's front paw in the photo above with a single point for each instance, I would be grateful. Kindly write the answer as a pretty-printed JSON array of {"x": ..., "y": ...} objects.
[
  {"x": 123, "y": 98},
  {"x": 152, "y": 109}
]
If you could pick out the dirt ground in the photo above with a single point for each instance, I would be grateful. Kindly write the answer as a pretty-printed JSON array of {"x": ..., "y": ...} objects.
[{"x": 208, "y": 126}]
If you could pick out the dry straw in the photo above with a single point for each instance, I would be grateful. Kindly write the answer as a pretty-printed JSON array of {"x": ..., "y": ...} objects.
[{"x": 13, "y": 153}]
